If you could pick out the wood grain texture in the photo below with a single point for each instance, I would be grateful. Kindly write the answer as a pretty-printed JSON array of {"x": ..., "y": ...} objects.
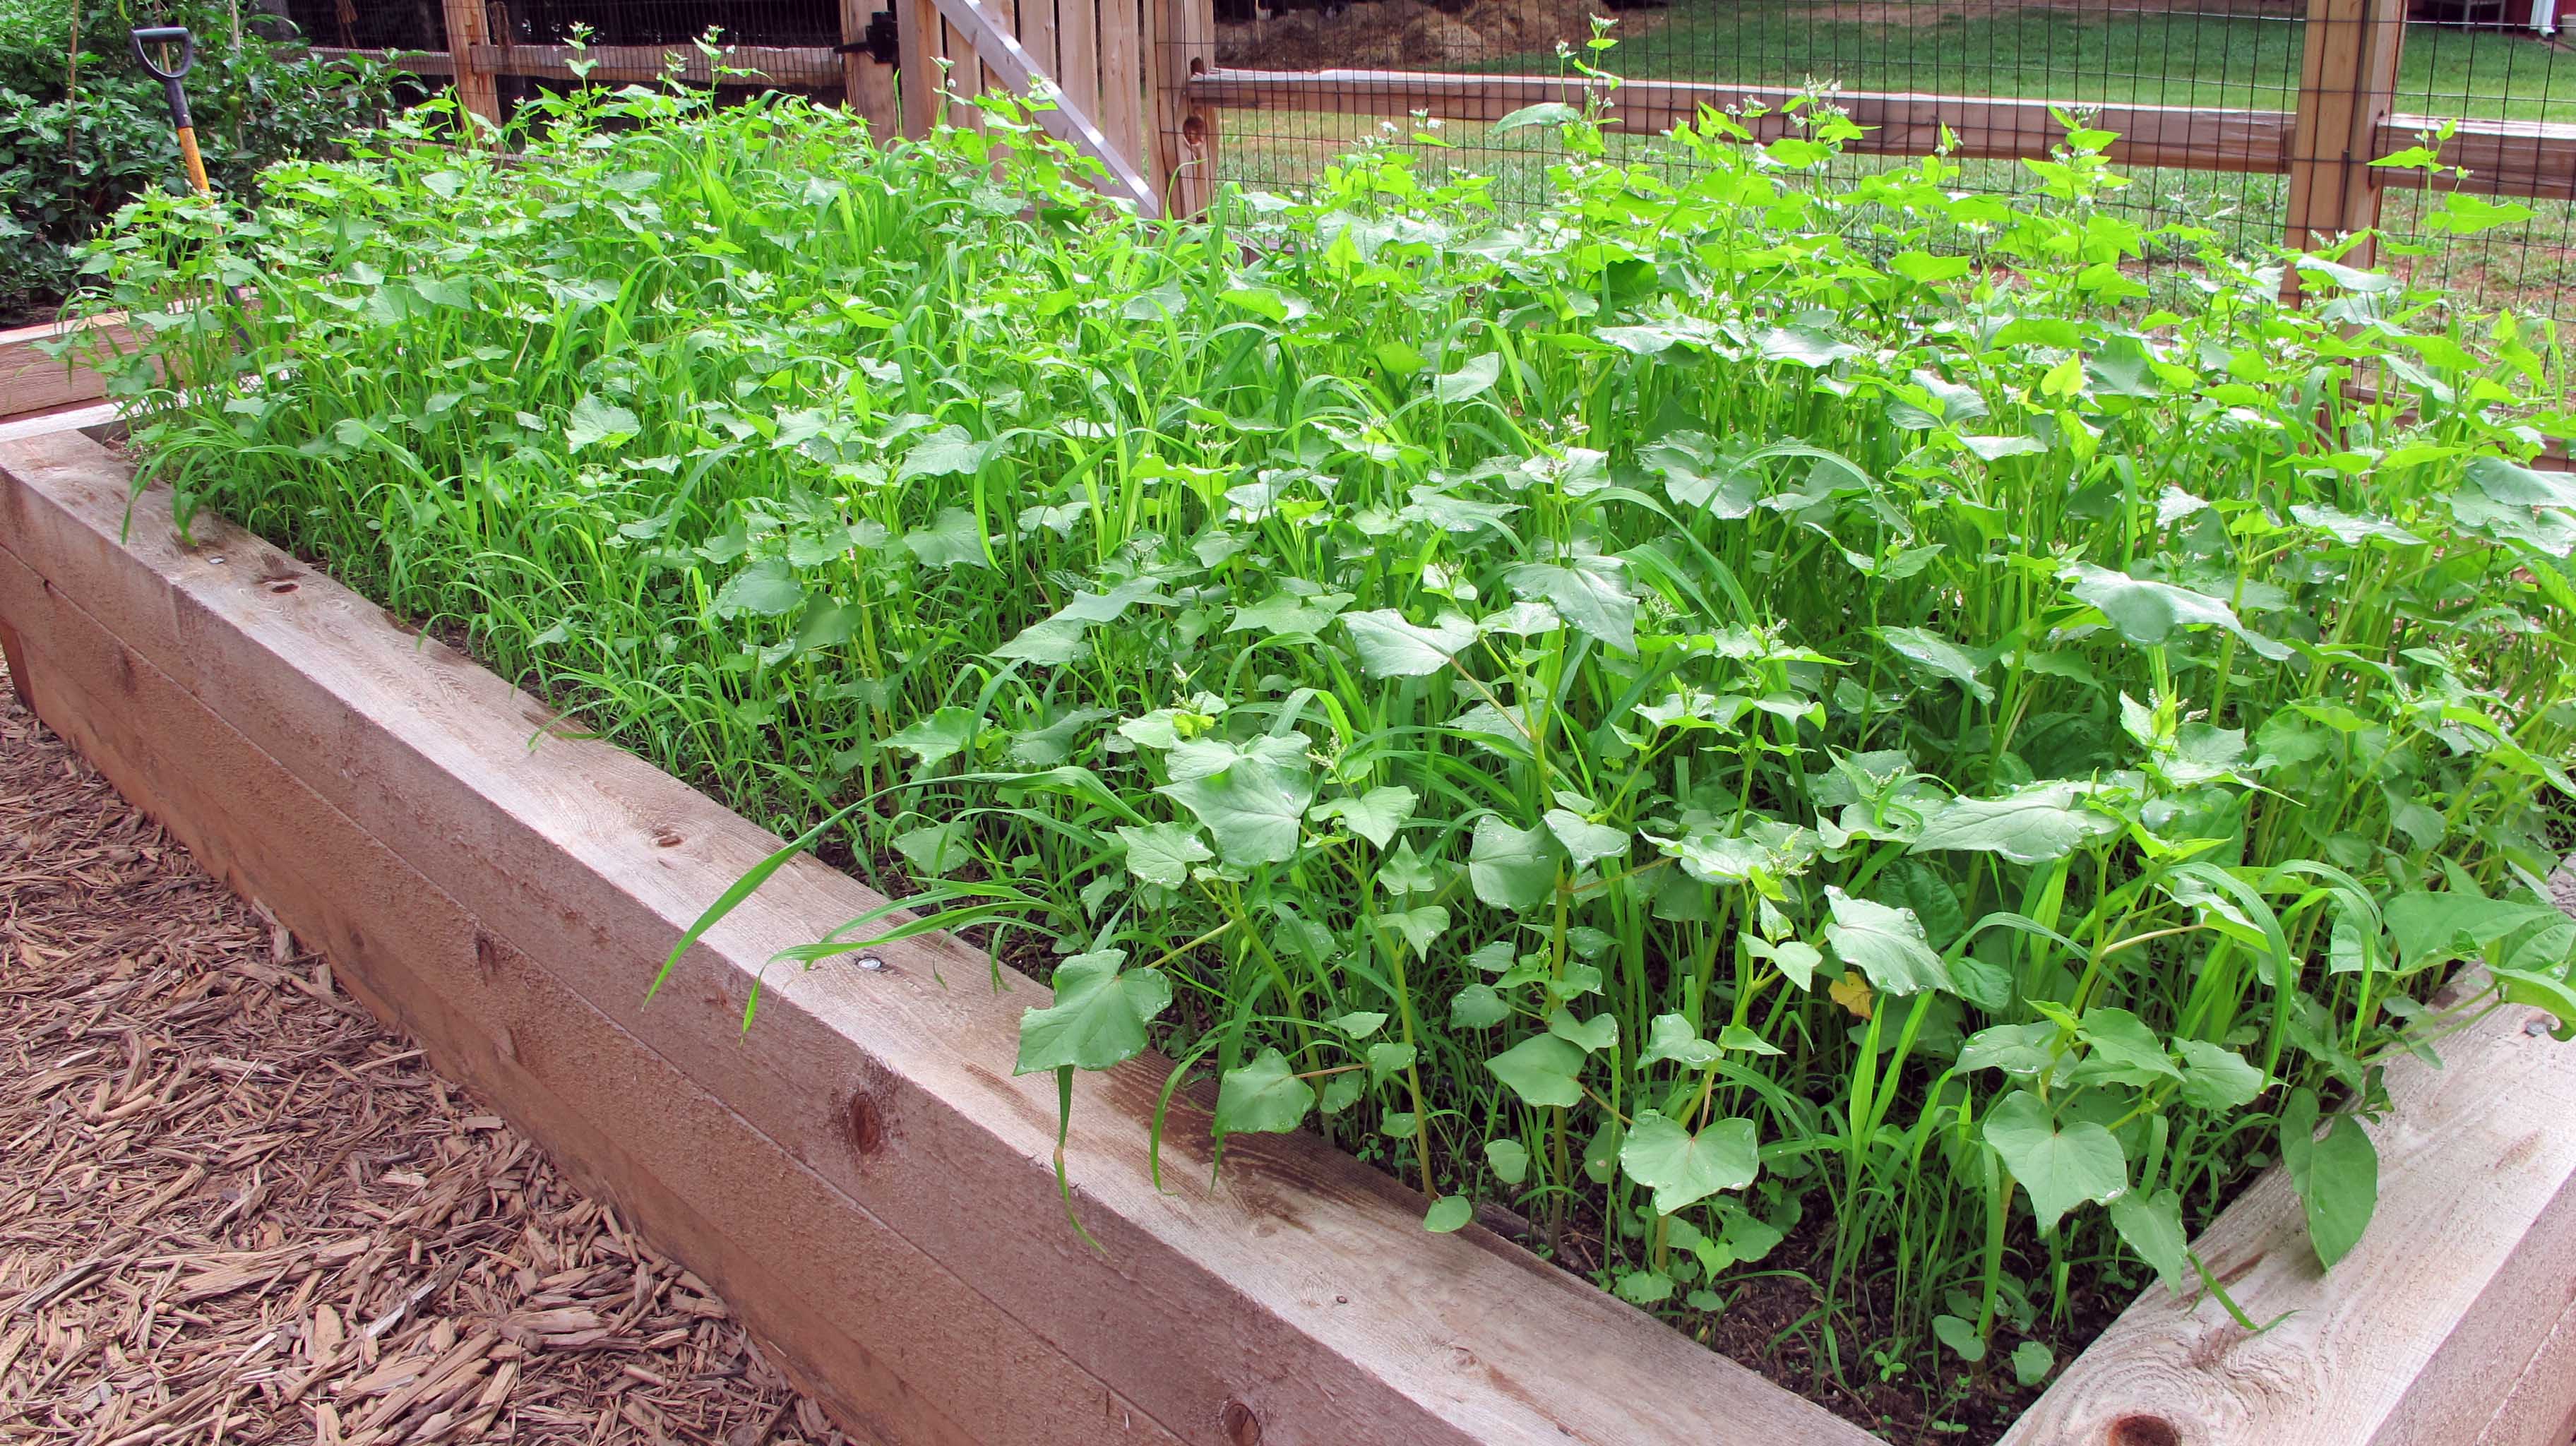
[
  {"x": 1299, "y": 1285},
  {"x": 2347, "y": 92},
  {"x": 2447, "y": 1326},
  {"x": 866, "y": 86},
  {"x": 1017, "y": 71},
  {"x": 468, "y": 44},
  {"x": 31, "y": 381}
]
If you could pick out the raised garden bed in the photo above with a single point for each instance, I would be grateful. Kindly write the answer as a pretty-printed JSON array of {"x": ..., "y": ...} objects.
[{"x": 863, "y": 1176}]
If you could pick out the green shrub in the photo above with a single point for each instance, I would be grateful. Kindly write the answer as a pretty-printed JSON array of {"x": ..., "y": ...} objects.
[
  {"x": 70, "y": 157},
  {"x": 1685, "y": 714}
]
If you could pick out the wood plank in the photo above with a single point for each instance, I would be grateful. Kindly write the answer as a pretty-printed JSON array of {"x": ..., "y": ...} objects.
[
  {"x": 1011, "y": 64},
  {"x": 2447, "y": 1324},
  {"x": 1124, "y": 116},
  {"x": 468, "y": 39},
  {"x": 2347, "y": 92},
  {"x": 418, "y": 62},
  {"x": 867, "y": 86},
  {"x": 918, "y": 36},
  {"x": 1078, "y": 53},
  {"x": 31, "y": 381},
  {"x": 785, "y": 1252},
  {"x": 2504, "y": 158},
  {"x": 794, "y": 65},
  {"x": 1898, "y": 122},
  {"x": 1299, "y": 1286}
]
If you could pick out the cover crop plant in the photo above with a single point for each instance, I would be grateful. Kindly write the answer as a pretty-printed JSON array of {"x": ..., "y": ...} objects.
[{"x": 1684, "y": 714}]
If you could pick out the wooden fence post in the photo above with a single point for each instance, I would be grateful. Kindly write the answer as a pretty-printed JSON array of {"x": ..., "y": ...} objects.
[
  {"x": 2347, "y": 89},
  {"x": 917, "y": 26},
  {"x": 869, "y": 86},
  {"x": 467, "y": 34},
  {"x": 1182, "y": 41}
]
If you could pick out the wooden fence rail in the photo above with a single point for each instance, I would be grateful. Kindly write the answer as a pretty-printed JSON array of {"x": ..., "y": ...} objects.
[{"x": 1137, "y": 87}]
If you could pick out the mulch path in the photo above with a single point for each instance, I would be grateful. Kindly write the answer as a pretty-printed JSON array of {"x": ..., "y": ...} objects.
[{"x": 234, "y": 1207}]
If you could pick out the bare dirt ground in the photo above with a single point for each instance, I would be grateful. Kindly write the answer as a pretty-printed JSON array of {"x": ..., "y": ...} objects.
[{"x": 235, "y": 1209}]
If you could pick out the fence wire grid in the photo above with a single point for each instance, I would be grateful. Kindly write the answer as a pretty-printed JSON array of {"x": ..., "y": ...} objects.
[{"x": 2211, "y": 93}]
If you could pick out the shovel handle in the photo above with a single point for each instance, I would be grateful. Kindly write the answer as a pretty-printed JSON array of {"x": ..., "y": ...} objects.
[{"x": 176, "y": 93}]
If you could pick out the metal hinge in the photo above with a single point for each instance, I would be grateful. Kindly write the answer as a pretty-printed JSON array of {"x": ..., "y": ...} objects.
[{"x": 879, "y": 40}]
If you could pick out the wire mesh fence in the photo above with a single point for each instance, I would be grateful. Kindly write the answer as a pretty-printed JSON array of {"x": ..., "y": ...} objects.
[{"x": 2254, "y": 119}]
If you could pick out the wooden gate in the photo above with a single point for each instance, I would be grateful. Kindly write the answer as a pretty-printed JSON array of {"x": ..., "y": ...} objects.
[{"x": 1117, "y": 73}]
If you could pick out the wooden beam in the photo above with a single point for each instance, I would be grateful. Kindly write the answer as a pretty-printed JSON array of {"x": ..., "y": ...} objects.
[
  {"x": 468, "y": 38},
  {"x": 1897, "y": 122},
  {"x": 860, "y": 1173},
  {"x": 31, "y": 381},
  {"x": 792, "y": 65},
  {"x": 867, "y": 86},
  {"x": 418, "y": 62},
  {"x": 2347, "y": 92},
  {"x": 2450, "y": 1322},
  {"x": 1002, "y": 54},
  {"x": 2503, "y": 157}
]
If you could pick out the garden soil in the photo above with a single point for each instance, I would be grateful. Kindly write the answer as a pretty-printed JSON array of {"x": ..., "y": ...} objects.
[{"x": 234, "y": 1208}]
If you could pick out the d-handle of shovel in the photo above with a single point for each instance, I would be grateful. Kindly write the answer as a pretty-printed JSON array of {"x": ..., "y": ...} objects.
[{"x": 178, "y": 93}]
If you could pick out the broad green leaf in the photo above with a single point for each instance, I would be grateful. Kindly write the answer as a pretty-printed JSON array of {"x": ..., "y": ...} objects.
[
  {"x": 2122, "y": 1041},
  {"x": 938, "y": 737},
  {"x": 765, "y": 589},
  {"x": 1448, "y": 1213},
  {"x": 2519, "y": 486},
  {"x": 953, "y": 539},
  {"x": 1474, "y": 379},
  {"x": 1588, "y": 843},
  {"x": 1390, "y": 647},
  {"x": 2033, "y": 824},
  {"x": 2337, "y": 1176},
  {"x": 1590, "y": 593},
  {"x": 1540, "y": 1069},
  {"x": 1512, "y": 868},
  {"x": 1420, "y": 927},
  {"x": 1285, "y": 614},
  {"x": 2023, "y": 1051},
  {"x": 2215, "y": 1077},
  {"x": 1591, "y": 1036},
  {"x": 2031, "y": 1363},
  {"x": 948, "y": 452},
  {"x": 597, "y": 423},
  {"x": 1544, "y": 113},
  {"x": 1743, "y": 1040},
  {"x": 2540, "y": 991},
  {"x": 1939, "y": 656},
  {"x": 1509, "y": 1160},
  {"x": 1099, "y": 1016},
  {"x": 2148, "y": 613},
  {"x": 1387, "y": 1057},
  {"x": 1358, "y": 1024},
  {"x": 1374, "y": 815},
  {"x": 2153, "y": 1229},
  {"x": 2060, "y": 1168},
  {"x": 1885, "y": 944},
  {"x": 1161, "y": 853},
  {"x": 935, "y": 849},
  {"x": 1683, "y": 1168},
  {"x": 1478, "y": 1007},
  {"x": 1671, "y": 1037},
  {"x": 2435, "y": 928},
  {"x": 1253, "y": 805},
  {"x": 1264, "y": 1096},
  {"x": 1960, "y": 1335}
]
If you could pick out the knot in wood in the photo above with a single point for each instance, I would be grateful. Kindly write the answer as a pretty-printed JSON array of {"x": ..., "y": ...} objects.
[
  {"x": 2144, "y": 1431},
  {"x": 1242, "y": 1428},
  {"x": 866, "y": 1123}
]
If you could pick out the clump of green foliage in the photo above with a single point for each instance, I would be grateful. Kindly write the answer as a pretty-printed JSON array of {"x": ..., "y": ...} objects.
[
  {"x": 83, "y": 130},
  {"x": 1683, "y": 713}
]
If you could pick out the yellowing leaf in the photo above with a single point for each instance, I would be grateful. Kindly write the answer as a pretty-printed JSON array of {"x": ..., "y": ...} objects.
[{"x": 1852, "y": 993}]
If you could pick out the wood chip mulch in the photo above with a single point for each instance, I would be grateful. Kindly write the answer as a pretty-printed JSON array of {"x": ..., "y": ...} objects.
[{"x": 235, "y": 1208}]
